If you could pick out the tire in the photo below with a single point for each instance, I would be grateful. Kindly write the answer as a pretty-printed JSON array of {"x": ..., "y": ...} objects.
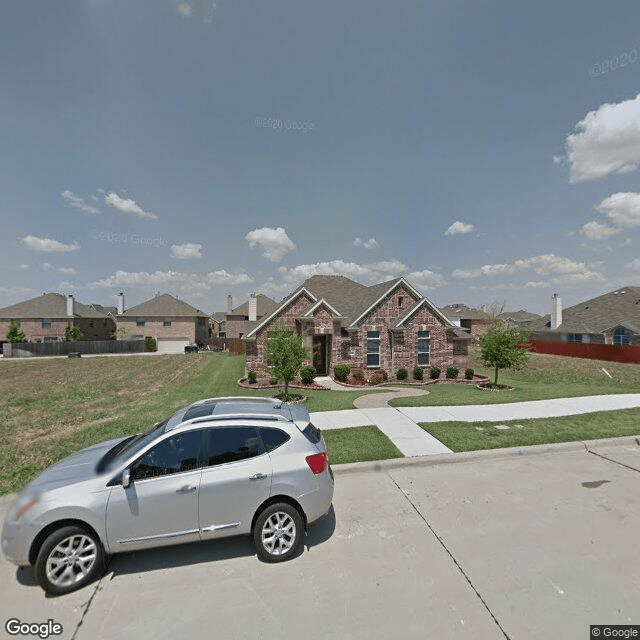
[
  {"x": 278, "y": 532},
  {"x": 69, "y": 559}
]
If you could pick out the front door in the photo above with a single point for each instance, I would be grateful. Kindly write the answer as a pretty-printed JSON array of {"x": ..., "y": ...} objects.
[
  {"x": 160, "y": 506},
  {"x": 320, "y": 354}
]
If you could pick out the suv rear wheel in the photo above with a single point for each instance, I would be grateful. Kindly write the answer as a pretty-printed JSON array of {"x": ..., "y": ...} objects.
[
  {"x": 69, "y": 559},
  {"x": 278, "y": 532}
]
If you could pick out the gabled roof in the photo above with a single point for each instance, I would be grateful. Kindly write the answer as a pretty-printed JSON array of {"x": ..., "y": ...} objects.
[
  {"x": 463, "y": 312},
  {"x": 264, "y": 305},
  {"x": 50, "y": 305},
  {"x": 322, "y": 302},
  {"x": 252, "y": 327},
  {"x": 162, "y": 306},
  {"x": 349, "y": 300},
  {"x": 403, "y": 317},
  {"x": 619, "y": 307}
]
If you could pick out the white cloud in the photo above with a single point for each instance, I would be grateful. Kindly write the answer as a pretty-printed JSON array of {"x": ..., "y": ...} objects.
[
  {"x": 426, "y": 279},
  {"x": 536, "y": 285},
  {"x": 373, "y": 271},
  {"x": 606, "y": 141},
  {"x": 458, "y": 227},
  {"x": 623, "y": 209},
  {"x": 186, "y": 251},
  {"x": 68, "y": 271},
  {"x": 635, "y": 264},
  {"x": 371, "y": 243},
  {"x": 126, "y": 205},
  {"x": 76, "y": 201},
  {"x": 594, "y": 230},
  {"x": 175, "y": 278},
  {"x": 185, "y": 9},
  {"x": 24, "y": 266},
  {"x": 275, "y": 243},
  {"x": 547, "y": 264},
  {"x": 49, "y": 245}
]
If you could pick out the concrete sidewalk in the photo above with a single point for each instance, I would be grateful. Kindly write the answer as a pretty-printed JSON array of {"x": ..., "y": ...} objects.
[{"x": 399, "y": 424}]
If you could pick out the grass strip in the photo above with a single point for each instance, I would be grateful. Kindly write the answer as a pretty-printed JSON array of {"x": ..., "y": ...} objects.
[{"x": 359, "y": 444}]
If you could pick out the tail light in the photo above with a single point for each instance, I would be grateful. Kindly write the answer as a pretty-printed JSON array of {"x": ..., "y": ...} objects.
[{"x": 318, "y": 462}]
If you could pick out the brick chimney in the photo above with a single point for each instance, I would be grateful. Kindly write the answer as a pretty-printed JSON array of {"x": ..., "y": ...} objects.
[
  {"x": 120, "y": 303},
  {"x": 70, "y": 309},
  {"x": 253, "y": 308},
  {"x": 556, "y": 311},
  {"x": 229, "y": 304}
]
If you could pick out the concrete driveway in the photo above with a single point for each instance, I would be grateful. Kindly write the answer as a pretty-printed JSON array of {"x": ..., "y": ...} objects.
[{"x": 530, "y": 545}]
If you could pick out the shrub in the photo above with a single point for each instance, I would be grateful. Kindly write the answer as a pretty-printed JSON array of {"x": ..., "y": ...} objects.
[
  {"x": 151, "y": 343},
  {"x": 308, "y": 373},
  {"x": 252, "y": 376},
  {"x": 377, "y": 377},
  {"x": 452, "y": 372},
  {"x": 402, "y": 374},
  {"x": 273, "y": 381},
  {"x": 418, "y": 373},
  {"x": 341, "y": 372},
  {"x": 434, "y": 373},
  {"x": 358, "y": 375},
  {"x": 385, "y": 377},
  {"x": 468, "y": 374}
]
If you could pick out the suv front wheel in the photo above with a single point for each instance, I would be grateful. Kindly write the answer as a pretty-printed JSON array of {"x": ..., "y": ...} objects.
[
  {"x": 278, "y": 532},
  {"x": 69, "y": 559}
]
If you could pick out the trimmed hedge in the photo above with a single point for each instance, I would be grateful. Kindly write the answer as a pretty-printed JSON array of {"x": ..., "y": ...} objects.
[
  {"x": 434, "y": 373},
  {"x": 308, "y": 373},
  {"x": 418, "y": 374},
  {"x": 452, "y": 372},
  {"x": 402, "y": 374},
  {"x": 341, "y": 372}
]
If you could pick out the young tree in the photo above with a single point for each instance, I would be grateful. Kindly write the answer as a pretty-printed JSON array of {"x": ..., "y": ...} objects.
[
  {"x": 285, "y": 355},
  {"x": 72, "y": 334},
  {"x": 503, "y": 348},
  {"x": 15, "y": 334}
]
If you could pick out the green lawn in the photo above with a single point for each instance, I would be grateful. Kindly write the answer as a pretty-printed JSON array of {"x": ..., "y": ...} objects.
[
  {"x": 359, "y": 444},
  {"x": 472, "y": 436},
  {"x": 545, "y": 376}
]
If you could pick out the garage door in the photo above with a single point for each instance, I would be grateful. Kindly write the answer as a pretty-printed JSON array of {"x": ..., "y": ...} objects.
[{"x": 172, "y": 345}]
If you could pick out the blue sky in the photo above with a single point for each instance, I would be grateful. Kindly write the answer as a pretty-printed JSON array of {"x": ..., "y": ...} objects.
[{"x": 485, "y": 151}]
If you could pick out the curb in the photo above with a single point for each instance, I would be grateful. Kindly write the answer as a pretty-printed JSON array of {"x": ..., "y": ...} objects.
[{"x": 483, "y": 454}]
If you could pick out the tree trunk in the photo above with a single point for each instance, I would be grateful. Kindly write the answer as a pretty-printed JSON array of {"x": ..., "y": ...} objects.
[
  {"x": 286, "y": 389},
  {"x": 495, "y": 381}
]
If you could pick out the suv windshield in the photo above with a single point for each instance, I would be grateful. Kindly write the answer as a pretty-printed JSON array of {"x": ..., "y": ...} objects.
[{"x": 130, "y": 446}]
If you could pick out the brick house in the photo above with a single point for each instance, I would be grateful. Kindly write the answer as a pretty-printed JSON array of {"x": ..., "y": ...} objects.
[
  {"x": 612, "y": 318},
  {"x": 45, "y": 318},
  {"x": 384, "y": 326},
  {"x": 239, "y": 320},
  {"x": 172, "y": 322},
  {"x": 475, "y": 321}
]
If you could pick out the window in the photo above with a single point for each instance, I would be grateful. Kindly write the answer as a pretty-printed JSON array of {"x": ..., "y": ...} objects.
[
  {"x": 574, "y": 337},
  {"x": 373, "y": 348},
  {"x": 230, "y": 444},
  {"x": 423, "y": 347},
  {"x": 273, "y": 438},
  {"x": 167, "y": 322},
  {"x": 46, "y": 323},
  {"x": 140, "y": 322},
  {"x": 621, "y": 337},
  {"x": 174, "y": 455},
  {"x": 400, "y": 301}
]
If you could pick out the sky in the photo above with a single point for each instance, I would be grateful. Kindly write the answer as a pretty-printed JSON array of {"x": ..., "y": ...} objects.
[{"x": 487, "y": 152}]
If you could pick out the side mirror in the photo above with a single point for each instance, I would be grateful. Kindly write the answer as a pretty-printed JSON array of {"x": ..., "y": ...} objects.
[{"x": 126, "y": 478}]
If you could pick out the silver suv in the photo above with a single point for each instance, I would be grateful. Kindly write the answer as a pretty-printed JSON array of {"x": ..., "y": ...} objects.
[{"x": 217, "y": 468}]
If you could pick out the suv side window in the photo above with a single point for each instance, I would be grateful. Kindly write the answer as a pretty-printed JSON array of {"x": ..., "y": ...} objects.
[
  {"x": 174, "y": 455},
  {"x": 229, "y": 444},
  {"x": 273, "y": 438}
]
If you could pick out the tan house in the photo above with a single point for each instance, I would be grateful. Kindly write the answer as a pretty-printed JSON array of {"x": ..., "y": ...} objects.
[
  {"x": 475, "y": 321},
  {"x": 45, "y": 318},
  {"x": 240, "y": 320},
  {"x": 172, "y": 322},
  {"x": 384, "y": 326}
]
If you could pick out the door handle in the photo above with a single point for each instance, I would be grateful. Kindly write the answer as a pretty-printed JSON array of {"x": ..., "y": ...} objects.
[
  {"x": 186, "y": 489},
  {"x": 258, "y": 476}
]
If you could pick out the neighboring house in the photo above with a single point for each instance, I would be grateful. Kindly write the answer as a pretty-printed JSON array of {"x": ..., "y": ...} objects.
[
  {"x": 217, "y": 323},
  {"x": 239, "y": 321},
  {"x": 612, "y": 318},
  {"x": 172, "y": 322},
  {"x": 384, "y": 326},
  {"x": 46, "y": 318},
  {"x": 475, "y": 321},
  {"x": 522, "y": 319}
]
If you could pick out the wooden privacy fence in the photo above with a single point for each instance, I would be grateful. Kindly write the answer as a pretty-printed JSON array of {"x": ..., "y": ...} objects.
[
  {"x": 58, "y": 348},
  {"x": 611, "y": 352},
  {"x": 235, "y": 346}
]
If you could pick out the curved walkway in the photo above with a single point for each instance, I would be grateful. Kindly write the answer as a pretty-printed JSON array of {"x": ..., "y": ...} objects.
[{"x": 400, "y": 424}]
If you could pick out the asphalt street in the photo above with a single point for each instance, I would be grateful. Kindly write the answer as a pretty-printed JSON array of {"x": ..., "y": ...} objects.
[{"x": 522, "y": 544}]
